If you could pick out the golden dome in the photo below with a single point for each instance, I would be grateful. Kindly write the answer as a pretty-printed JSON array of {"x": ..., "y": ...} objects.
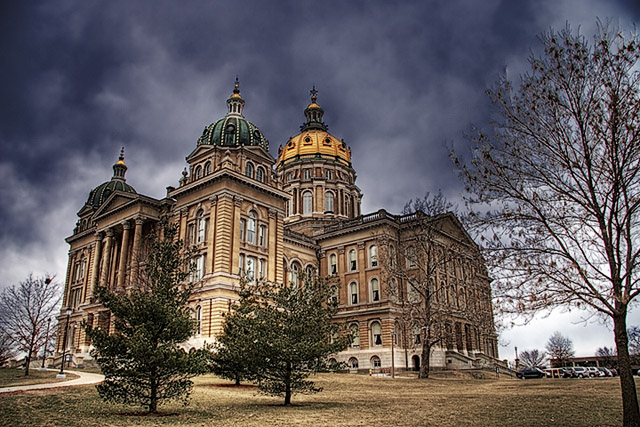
[{"x": 315, "y": 144}]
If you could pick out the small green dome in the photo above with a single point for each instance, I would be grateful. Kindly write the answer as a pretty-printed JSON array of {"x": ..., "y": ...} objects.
[
  {"x": 233, "y": 130},
  {"x": 118, "y": 183},
  {"x": 104, "y": 190}
]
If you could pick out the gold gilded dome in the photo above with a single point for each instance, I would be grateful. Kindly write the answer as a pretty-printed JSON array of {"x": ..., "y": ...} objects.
[{"x": 315, "y": 143}]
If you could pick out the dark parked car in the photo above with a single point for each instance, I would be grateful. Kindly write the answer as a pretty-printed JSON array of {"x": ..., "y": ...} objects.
[{"x": 525, "y": 373}]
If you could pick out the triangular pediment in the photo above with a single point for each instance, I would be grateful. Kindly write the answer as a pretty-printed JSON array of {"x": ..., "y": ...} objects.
[
  {"x": 114, "y": 201},
  {"x": 449, "y": 224}
]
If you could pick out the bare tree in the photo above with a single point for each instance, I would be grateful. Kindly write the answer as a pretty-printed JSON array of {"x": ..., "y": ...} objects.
[
  {"x": 532, "y": 358},
  {"x": 7, "y": 348},
  {"x": 560, "y": 348},
  {"x": 416, "y": 262},
  {"x": 24, "y": 312},
  {"x": 555, "y": 185},
  {"x": 607, "y": 356},
  {"x": 634, "y": 340}
]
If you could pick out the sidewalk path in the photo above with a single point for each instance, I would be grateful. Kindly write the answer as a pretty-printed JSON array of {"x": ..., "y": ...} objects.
[{"x": 85, "y": 378}]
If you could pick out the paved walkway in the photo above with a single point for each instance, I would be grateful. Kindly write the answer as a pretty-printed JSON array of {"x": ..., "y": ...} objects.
[{"x": 85, "y": 378}]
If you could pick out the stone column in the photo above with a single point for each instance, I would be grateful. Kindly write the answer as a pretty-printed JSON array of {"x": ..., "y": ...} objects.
[
  {"x": 69, "y": 278},
  {"x": 273, "y": 246},
  {"x": 124, "y": 255},
  {"x": 211, "y": 236},
  {"x": 135, "y": 255},
  {"x": 235, "y": 241},
  {"x": 223, "y": 234},
  {"x": 97, "y": 254},
  {"x": 106, "y": 259}
]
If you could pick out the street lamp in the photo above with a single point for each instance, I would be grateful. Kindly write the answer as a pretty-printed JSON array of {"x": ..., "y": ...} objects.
[
  {"x": 46, "y": 338},
  {"x": 393, "y": 361},
  {"x": 64, "y": 345}
]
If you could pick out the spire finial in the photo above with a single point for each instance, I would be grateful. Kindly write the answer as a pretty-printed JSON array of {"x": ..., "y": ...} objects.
[
  {"x": 314, "y": 93},
  {"x": 236, "y": 86},
  {"x": 121, "y": 154}
]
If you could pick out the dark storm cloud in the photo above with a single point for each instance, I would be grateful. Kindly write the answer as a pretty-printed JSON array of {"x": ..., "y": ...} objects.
[{"x": 398, "y": 81}]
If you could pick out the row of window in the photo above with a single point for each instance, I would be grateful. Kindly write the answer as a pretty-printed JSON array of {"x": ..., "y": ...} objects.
[
  {"x": 251, "y": 267},
  {"x": 251, "y": 232},
  {"x": 376, "y": 334},
  {"x": 257, "y": 173},
  {"x": 307, "y": 174},
  {"x": 254, "y": 173},
  {"x": 374, "y": 286},
  {"x": 352, "y": 260}
]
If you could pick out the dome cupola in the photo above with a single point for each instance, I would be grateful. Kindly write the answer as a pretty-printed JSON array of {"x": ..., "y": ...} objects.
[
  {"x": 118, "y": 183},
  {"x": 233, "y": 130},
  {"x": 314, "y": 140}
]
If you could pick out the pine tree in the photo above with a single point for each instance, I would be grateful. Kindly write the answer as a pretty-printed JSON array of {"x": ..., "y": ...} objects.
[
  {"x": 286, "y": 334},
  {"x": 142, "y": 361}
]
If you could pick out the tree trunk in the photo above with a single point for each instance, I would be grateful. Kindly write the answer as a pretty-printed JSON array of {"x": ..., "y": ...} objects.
[
  {"x": 153, "y": 397},
  {"x": 424, "y": 365},
  {"x": 27, "y": 362},
  {"x": 630, "y": 411},
  {"x": 287, "y": 386},
  {"x": 237, "y": 379}
]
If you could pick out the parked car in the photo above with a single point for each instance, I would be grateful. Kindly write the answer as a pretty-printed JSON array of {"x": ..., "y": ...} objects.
[
  {"x": 606, "y": 372},
  {"x": 594, "y": 372},
  {"x": 525, "y": 373},
  {"x": 614, "y": 372},
  {"x": 581, "y": 372}
]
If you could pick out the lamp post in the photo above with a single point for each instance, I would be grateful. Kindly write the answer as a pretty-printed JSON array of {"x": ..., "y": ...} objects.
[
  {"x": 46, "y": 338},
  {"x": 393, "y": 359},
  {"x": 64, "y": 345}
]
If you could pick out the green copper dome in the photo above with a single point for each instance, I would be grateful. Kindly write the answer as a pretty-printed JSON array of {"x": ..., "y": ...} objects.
[
  {"x": 233, "y": 130},
  {"x": 118, "y": 183}
]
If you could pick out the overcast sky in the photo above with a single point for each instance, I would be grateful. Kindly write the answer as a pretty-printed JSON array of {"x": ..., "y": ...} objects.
[{"x": 399, "y": 81}]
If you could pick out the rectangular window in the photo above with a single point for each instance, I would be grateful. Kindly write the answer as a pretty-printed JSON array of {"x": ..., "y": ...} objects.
[
  {"x": 251, "y": 268},
  {"x": 241, "y": 265},
  {"x": 243, "y": 226},
  {"x": 261, "y": 235},
  {"x": 262, "y": 268},
  {"x": 307, "y": 174}
]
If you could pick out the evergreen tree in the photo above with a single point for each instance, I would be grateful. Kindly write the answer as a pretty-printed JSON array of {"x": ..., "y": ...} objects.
[
  {"x": 142, "y": 361},
  {"x": 285, "y": 333}
]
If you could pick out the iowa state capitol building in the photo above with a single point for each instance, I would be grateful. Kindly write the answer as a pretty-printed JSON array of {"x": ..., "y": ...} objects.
[{"x": 250, "y": 214}]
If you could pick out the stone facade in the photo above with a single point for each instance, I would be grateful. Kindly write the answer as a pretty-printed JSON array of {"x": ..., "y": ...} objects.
[{"x": 250, "y": 214}]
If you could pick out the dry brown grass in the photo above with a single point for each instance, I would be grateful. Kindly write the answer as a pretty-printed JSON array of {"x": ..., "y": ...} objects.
[
  {"x": 347, "y": 400},
  {"x": 11, "y": 377}
]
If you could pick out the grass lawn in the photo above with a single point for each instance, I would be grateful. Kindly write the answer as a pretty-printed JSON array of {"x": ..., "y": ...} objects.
[
  {"x": 347, "y": 400},
  {"x": 12, "y": 376}
]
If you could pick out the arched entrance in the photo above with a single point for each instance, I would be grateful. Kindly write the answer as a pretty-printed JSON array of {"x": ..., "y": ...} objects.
[{"x": 415, "y": 362}]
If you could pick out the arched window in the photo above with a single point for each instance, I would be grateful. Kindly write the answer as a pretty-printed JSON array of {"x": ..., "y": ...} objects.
[
  {"x": 260, "y": 174},
  {"x": 333, "y": 264},
  {"x": 353, "y": 265},
  {"x": 248, "y": 170},
  {"x": 375, "y": 290},
  {"x": 373, "y": 256},
  {"x": 328, "y": 202},
  {"x": 411, "y": 257},
  {"x": 307, "y": 203},
  {"x": 353, "y": 363},
  {"x": 207, "y": 168},
  {"x": 376, "y": 333},
  {"x": 294, "y": 275},
  {"x": 375, "y": 362},
  {"x": 251, "y": 228},
  {"x": 355, "y": 335},
  {"x": 199, "y": 319},
  {"x": 198, "y": 172},
  {"x": 202, "y": 227},
  {"x": 353, "y": 291}
]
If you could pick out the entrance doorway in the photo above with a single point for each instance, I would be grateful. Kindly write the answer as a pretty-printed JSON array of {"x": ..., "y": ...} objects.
[{"x": 415, "y": 362}]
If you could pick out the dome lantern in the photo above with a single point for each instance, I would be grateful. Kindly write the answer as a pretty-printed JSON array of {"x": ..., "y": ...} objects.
[
  {"x": 235, "y": 103},
  {"x": 117, "y": 183},
  {"x": 314, "y": 114}
]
